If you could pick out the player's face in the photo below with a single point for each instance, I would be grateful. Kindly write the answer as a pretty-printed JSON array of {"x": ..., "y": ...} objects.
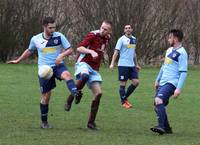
[
  {"x": 171, "y": 40},
  {"x": 128, "y": 30},
  {"x": 105, "y": 29},
  {"x": 50, "y": 28}
]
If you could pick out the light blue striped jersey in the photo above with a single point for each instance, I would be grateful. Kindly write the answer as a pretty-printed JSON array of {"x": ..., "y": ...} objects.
[
  {"x": 176, "y": 61},
  {"x": 48, "y": 50},
  {"x": 126, "y": 47}
]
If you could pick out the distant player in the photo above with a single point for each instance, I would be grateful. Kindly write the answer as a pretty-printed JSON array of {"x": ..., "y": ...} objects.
[
  {"x": 170, "y": 79},
  {"x": 48, "y": 45},
  {"x": 91, "y": 51},
  {"x": 127, "y": 65}
]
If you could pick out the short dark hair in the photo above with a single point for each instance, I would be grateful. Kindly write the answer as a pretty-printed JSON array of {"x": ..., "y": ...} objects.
[
  {"x": 108, "y": 22},
  {"x": 48, "y": 20},
  {"x": 177, "y": 33},
  {"x": 128, "y": 25}
]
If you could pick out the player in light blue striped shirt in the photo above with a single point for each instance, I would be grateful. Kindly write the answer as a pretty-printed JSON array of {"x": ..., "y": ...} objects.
[
  {"x": 170, "y": 79},
  {"x": 49, "y": 45},
  {"x": 127, "y": 64}
]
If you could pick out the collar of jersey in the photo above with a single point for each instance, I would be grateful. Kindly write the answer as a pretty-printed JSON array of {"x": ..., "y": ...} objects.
[
  {"x": 176, "y": 48},
  {"x": 44, "y": 37}
]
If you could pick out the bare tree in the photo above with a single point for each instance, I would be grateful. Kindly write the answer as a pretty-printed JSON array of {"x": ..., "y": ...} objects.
[
  {"x": 8, "y": 24},
  {"x": 151, "y": 21},
  {"x": 193, "y": 22}
]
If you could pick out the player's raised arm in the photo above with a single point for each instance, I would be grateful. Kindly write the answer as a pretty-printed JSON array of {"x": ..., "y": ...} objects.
[
  {"x": 61, "y": 56},
  {"x": 24, "y": 55},
  {"x": 84, "y": 50},
  {"x": 67, "y": 49}
]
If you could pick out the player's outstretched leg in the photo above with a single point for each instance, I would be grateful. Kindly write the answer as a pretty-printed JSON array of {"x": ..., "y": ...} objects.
[
  {"x": 72, "y": 87},
  {"x": 78, "y": 97},
  {"x": 70, "y": 99},
  {"x": 161, "y": 114},
  {"x": 68, "y": 102},
  {"x": 167, "y": 127},
  {"x": 80, "y": 83}
]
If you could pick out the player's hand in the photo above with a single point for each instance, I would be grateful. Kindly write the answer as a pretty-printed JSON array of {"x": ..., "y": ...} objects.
[
  {"x": 58, "y": 59},
  {"x": 111, "y": 67},
  {"x": 156, "y": 85},
  {"x": 108, "y": 36},
  {"x": 177, "y": 92},
  {"x": 94, "y": 54},
  {"x": 138, "y": 68},
  {"x": 12, "y": 62}
]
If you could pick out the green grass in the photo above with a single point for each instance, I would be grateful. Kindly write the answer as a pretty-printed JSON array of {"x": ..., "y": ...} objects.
[{"x": 20, "y": 115}]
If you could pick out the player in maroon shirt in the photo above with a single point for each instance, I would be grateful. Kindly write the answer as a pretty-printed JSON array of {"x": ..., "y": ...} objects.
[{"x": 90, "y": 53}]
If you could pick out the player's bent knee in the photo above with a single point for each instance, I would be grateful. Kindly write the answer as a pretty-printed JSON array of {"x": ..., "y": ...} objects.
[
  {"x": 123, "y": 83},
  {"x": 66, "y": 76},
  {"x": 45, "y": 98},
  {"x": 158, "y": 101},
  {"x": 136, "y": 82}
]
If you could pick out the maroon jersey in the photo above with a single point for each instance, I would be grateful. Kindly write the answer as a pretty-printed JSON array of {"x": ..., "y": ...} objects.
[{"x": 93, "y": 41}]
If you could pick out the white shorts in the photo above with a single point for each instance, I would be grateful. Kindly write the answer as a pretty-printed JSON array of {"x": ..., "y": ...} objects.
[{"x": 82, "y": 67}]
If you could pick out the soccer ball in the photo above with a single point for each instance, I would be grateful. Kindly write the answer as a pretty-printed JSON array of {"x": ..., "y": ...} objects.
[{"x": 45, "y": 72}]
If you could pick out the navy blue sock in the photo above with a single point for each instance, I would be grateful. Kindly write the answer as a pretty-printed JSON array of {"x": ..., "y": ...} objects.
[
  {"x": 167, "y": 126},
  {"x": 72, "y": 87},
  {"x": 44, "y": 109},
  {"x": 122, "y": 92},
  {"x": 161, "y": 113},
  {"x": 130, "y": 90}
]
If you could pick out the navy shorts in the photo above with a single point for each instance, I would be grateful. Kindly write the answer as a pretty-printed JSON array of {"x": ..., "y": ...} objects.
[
  {"x": 126, "y": 73},
  {"x": 165, "y": 92},
  {"x": 48, "y": 85}
]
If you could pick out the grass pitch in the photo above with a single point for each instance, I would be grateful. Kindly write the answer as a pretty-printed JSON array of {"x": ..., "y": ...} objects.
[{"x": 20, "y": 114}]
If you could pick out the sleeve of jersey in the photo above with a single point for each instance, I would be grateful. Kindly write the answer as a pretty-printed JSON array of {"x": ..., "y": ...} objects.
[
  {"x": 32, "y": 46},
  {"x": 119, "y": 44},
  {"x": 181, "y": 80},
  {"x": 87, "y": 40},
  {"x": 65, "y": 42},
  {"x": 183, "y": 67},
  {"x": 183, "y": 62},
  {"x": 159, "y": 75}
]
